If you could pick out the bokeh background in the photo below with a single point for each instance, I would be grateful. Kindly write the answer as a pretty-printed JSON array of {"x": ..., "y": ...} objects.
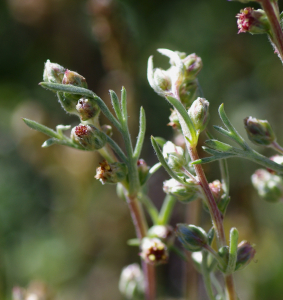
[{"x": 61, "y": 231}]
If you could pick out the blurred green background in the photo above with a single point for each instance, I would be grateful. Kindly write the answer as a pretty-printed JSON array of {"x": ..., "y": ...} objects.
[{"x": 60, "y": 229}]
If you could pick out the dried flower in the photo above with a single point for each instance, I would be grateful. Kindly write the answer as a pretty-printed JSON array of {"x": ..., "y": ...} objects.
[{"x": 111, "y": 173}]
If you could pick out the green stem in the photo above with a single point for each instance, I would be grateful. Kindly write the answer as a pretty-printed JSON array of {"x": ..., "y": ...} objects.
[
  {"x": 152, "y": 210},
  {"x": 277, "y": 147},
  {"x": 276, "y": 31},
  {"x": 217, "y": 285},
  {"x": 166, "y": 210},
  {"x": 206, "y": 276}
]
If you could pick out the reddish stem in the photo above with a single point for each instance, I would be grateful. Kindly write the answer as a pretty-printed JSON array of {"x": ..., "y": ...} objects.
[
  {"x": 141, "y": 230},
  {"x": 276, "y": 31}
]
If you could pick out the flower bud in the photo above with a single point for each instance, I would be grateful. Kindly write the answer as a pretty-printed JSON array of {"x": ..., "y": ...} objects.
[
  {"x": 153, "y": 251},
  {"x": 107, "y": 129},
  {"x": 174, "y": 156},
  {"x": 111, "y": 173},
  {"x": 53, "y": 72},
  {"x": 268, "y": 186},
  {"x": 73, "y": 78},
  {"x": 163, "y": 232},
  {"x": 192, "y": 237},
  {"x": 187, "y": 92},
  {"x": 245, "y": 253},
  {"x": 259, "y": 131},
  {"x": 87, "y": 108},
  {"x": 131, "y": 284},
  {"x": 224, "y": 254},
  {"x": 143, "y": 170},
  {"x": 162, "y": 79},
  {"x": 88, "y": 137},
  {"x": 193, "y": 65},
  {"x": 219, "y": 195},
  {"x": 252, "y": 21},
  {"x": 199, "y": 114},
  {"x": 174, "y": 120},
  {"x": 183, "y": 192}
]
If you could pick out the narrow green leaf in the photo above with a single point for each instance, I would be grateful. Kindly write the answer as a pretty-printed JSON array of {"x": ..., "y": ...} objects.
[
  {"x": 234, "y": 235},
  {"x": 231, "y": 128},
  {"x": 163, "y": 162},
  {"x": 188, "y": 122},
  {"x": 133, "y": 242},
  {"x": 160, "y": 141},
  {"x": 49, "y": 143},
  {"x": 223, "y": 164},
  {"x": 67, "y": 88},
  {"x": 223, "y": 132},
  {"x": 116, "y": 148},
  {"x": 84, "y": 92},
  {"x": 217, "y": 145},
  {"x": 124, "y": 104},
  {"x": 39, "y": 127},
  {"x": 116, "y": 105},
  {"x": 141, "y": 134},
  {"x": 206, "y": 160}
]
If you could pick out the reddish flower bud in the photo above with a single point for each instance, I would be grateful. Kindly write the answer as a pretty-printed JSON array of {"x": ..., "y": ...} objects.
[
  {"x": 252, "y": 21},
  {"x": 153, "y": 251}
]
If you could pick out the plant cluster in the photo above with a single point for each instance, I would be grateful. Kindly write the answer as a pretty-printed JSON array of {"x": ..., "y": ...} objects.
[{"x": 189, "y": 117}]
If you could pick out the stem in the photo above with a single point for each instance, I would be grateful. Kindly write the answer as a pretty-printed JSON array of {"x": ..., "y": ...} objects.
[
  {"x": 216, "y": 216},
  {"x": 191, "y": 276},
  {"x": 230, "y": 287},
  {"x": 277, "y": 147},
  {"x": 152, "y": 210},
  {"x": 166, "y": 210},
  {"x": 277, "y": 35},
  {"x": 141, "y": 230},
  {"x": 206, "y": 276}
]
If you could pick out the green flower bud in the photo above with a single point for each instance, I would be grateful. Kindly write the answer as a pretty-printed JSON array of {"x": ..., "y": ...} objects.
[
  {"x": 88, "y": 137},
  {"x": 87, "y": 108},
  {"x": 245, "y": 253},
  {"x": 269, "y": 186},
  {"x": 259, "y": 131},
  {"x": 107, "y": 129},
  {"x": 131, "y": 284},
  {"x": 187, "y": 92},
  {"x": 192, "y": 237},
  {"x": 252, "y": 21},
  {"x": 174, "y": 120},
  {"x": 183, "y": 192},
  {"x": 53, "y": 72},
  {"x": 153, "y": 251},
  {"x": 199, "y": 114},
  {"x": 174, "y": 156},
  {"x": 143, "y": 170},
  {"x": 193, "y": 65},
  {"x": 162, "y": 79},
  {"x": 224, "y": 254},
  {"x": 163, "y": 232},
  {"x": 111, "y": 173}
]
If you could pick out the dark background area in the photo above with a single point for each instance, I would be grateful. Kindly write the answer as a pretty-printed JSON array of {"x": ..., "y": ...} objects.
[{"x": 61, "y": 227}]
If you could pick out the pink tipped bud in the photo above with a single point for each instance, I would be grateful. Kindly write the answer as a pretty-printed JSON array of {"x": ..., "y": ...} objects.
[
  {"x": 88, "y": 137},
  {"x": 252, "y": 21},
  {"x": 87, "y": 109}
]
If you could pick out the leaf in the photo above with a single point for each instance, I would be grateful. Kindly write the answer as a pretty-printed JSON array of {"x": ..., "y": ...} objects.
[
  {"x": 41, "y": 128},
  {"x": 217, "y": 145}
]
